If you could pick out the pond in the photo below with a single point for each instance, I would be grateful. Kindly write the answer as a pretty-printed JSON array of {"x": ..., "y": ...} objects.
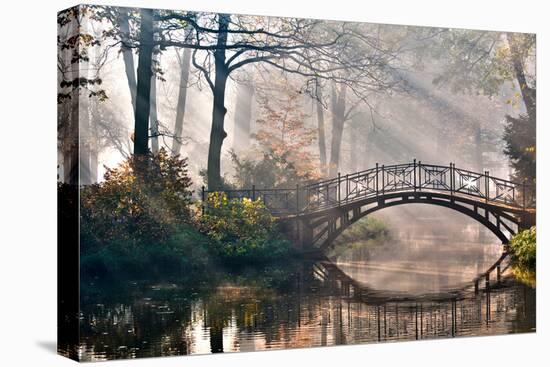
[{"x": 405, "y": 289}]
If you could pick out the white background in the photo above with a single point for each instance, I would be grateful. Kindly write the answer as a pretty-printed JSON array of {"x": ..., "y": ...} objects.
[{"x": 28, "y": 176}]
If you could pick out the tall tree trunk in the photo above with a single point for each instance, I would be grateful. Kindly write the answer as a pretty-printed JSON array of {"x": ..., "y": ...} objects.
[
  {"x": 86, "y": 138},
  {"x": 353, "y": 151},
  {"x": 243, "y": 117},
  {"x": 182, "y": 100},
  {"x": 527, "y": 93},
  {"x": 321, "y": 129},
  {"x": 353, "y": 145},
  {"x": 71, "y": 153},
  {"x": 144, "y": 74},
  {"x": 67, "y": 124},
  {"x": 478, "y": 148},
  {"x": 94, "y": 117},
  {"x": 338, "y": 113},
  {"x": 154, "y": 111},
  {"x": 127, "y": 55},
  {"x": 217, "y": 132},
  {"x": 154, "y": 117},
  {"x": 85, "y": 142},
  {"x": 367, "y": 149}
]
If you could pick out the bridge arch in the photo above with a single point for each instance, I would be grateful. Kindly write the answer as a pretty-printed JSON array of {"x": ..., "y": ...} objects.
[
  {"x": 326, "y": 226},
  {"x": 453, "y": 206}
]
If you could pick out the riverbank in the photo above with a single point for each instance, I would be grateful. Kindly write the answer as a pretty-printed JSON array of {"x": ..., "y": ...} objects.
[
  {"x": 187, "y": 255},
  {"x": 142, "y": 221}
]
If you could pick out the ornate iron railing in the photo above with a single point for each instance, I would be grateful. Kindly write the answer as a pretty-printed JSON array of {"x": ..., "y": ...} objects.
[{"x": 382, "y": 180}]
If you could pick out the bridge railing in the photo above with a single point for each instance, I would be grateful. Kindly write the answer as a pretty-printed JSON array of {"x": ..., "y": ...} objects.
[
  {"x": 278, "y": 201},
  {"x": 382, "y": 180}
]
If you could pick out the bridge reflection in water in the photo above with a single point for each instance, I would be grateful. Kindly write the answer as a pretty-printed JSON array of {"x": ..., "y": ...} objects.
[
  {"x": 398, "y": 315},
  {"x": 317, "y": 305}
]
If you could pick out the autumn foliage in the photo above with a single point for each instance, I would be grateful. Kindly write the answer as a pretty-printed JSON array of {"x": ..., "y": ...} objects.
[
  {"x": 281, "y": 157},
  {"x": 141, "y": 219},
  {"x": 241, "y": 229},
  {"x": 143, "y": 200}
]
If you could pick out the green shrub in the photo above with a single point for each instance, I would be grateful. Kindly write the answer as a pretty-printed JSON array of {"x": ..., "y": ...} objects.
[
  {"x": 366, "y": 233},
  {"x": 137, "y": 221},
  {"x": 142, "y": 201},
  {"x": 365, "y": 229},
  {"x": 183, "y": 254},
  {"x": 273, "y": 169},
  {"x": 523, "y": 248},
  {"x": 525, "y": 275},
  {"x": 242, "y": 229}
]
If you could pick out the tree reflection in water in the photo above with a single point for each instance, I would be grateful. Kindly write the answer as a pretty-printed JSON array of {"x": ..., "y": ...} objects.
[{"x": 303, "y": 304}]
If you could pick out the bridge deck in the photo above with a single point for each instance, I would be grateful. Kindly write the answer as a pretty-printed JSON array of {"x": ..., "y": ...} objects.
[
  {"x": 381, "y": 182},
  {"x": 411, "y": 195}
]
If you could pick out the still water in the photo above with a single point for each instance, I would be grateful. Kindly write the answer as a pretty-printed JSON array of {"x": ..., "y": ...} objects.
[{"x": 406, "y": 289}]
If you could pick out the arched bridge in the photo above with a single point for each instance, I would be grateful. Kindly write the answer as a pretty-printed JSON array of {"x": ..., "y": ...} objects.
[{"x": 316, "y": 213}]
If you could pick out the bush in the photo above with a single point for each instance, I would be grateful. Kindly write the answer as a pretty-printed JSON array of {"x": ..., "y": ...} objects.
[
  {"x": 242, "y": 229},
  {"x": 274, "y": 170},
  {"x": 366, "y": 233},
  {"x": 143, "y": 201},
  {"x": 365, "y": 229},
  {"x": 137, "y": 221},
  {"x": 184, "y": 254},
  {"x": 524, "y": 275},
  {"x": 523, "y": 248}
]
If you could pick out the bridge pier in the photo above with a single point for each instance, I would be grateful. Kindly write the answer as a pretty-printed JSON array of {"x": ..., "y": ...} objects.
[{"x": 306, "y": 235}]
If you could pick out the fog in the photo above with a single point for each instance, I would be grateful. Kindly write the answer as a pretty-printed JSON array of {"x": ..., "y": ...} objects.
[
  {"x": 429, "y": 250},
  {"x": 398, "y": 93}
]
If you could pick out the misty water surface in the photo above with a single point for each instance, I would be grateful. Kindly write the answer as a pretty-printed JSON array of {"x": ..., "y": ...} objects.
[{"x": 417, "y": 285}]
